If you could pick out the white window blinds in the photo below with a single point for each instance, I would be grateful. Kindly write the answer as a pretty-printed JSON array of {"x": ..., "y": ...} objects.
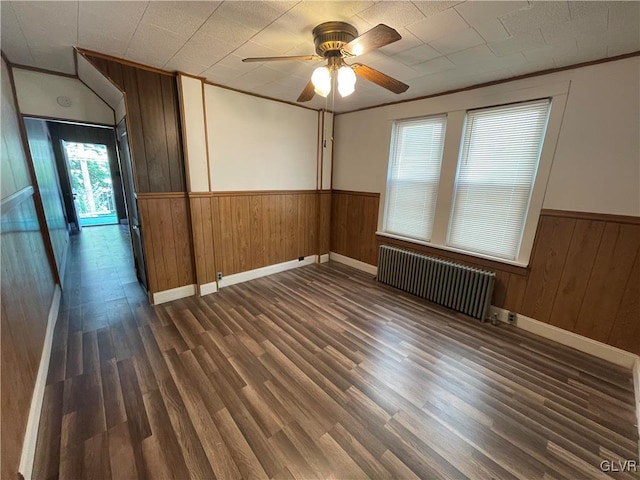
[
  {"x": 414, "y": 173},
  {"x": 497, "y": 168}
]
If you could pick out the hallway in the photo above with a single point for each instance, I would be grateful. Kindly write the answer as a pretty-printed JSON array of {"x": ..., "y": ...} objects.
[{"x": 96, "y": 327}]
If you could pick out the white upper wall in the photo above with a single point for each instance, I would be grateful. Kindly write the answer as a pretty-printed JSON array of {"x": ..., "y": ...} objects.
[
  {"x": 37, "y": 93},
  {"x": 597, "y": 162},
  {"x": 194, "y": 133},
  {"x": 259, "y": 144},
  {"x": 596, "y": 167}
]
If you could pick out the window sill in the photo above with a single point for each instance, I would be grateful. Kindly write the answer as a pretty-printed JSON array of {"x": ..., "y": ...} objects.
[{"x": 453, "y": 253}]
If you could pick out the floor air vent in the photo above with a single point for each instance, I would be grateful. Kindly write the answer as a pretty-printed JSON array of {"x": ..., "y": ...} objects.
[{"x": 465, "y": 289}]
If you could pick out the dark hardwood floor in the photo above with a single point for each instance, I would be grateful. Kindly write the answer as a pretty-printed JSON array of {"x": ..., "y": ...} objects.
[{"x": 317, "y": 372}]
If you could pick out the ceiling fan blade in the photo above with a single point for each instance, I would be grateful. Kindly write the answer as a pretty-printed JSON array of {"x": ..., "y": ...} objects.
[
  {"x": 377, "y": 37},
  {"x": 277, "y": 59},
  {"x": 379, "y": 78},
  {"x": 307, "y": 93}
]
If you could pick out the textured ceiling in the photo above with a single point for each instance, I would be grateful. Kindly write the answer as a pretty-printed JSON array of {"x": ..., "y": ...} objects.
[{"x": 445, "y": 45}]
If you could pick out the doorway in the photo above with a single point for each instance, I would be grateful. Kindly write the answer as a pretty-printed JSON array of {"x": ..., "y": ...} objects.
[
  {"x": 90, "y": 178},
  {"x": 96, "y": 174}
]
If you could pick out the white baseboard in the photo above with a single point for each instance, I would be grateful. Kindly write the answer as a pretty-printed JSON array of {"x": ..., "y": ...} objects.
[
  {"x": 324, "y": 258},
  {"x": 264, "y": 271},
  {"x": 636, "y": 389},
  {"x": 352, "y": 262},
  {"x": 570, "y": 339},
  {"x": 33, "y": 422},
  {"x": 208, "y": 288},
  {"x": 63, "y": 268},
  {"x": 174, "y": 294}
]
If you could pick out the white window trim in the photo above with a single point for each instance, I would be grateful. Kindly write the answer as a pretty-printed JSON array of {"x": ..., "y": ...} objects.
[
  {"x": 456, "y": 114},
  {"x": 392, "y": 148}
]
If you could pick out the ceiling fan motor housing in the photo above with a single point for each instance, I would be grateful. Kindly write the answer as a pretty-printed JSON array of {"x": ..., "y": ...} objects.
[{"x": 330, "y": 37}]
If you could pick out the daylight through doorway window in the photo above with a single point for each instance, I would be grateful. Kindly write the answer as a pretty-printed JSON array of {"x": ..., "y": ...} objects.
[{"x": 91, "y": 183}]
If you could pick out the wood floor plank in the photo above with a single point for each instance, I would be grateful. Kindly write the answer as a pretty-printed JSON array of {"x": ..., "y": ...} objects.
[
  {"x": 121, "y": 456},
  {"x": 214, "y": 447},
  {"x": 112, "y": 392},
  {"x": 48, "y": 445},
  {"x": 190, "y": 445},
  {"x": 96, "y": 462},
  {"x": 317, "y": 372},
  {"x": 163, "y": 433}
]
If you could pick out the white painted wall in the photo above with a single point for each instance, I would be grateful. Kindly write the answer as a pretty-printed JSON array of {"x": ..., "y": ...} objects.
[
  {"x": 596, "y": 166},
  {"x": 597, "y": 163},
  {"x": 96, "y": 81},
  {"x": 259, "y": 144},
  {"x": 37, "y": 93},
  {"x": 193, "y": 125}
]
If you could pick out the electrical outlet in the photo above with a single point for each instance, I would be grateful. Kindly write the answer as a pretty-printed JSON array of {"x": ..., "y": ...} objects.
[
  {"x": 512, "y": 317},
  {"x": 300, "y": 259},
  {"x": 219, "y": 275}
]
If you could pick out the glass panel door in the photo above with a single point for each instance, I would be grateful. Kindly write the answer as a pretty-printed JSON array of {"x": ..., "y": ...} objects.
[{"x": 91, "y": 183}]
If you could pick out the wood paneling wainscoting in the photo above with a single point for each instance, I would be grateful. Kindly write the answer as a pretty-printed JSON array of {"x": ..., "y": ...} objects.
[
  {"x": 585, "y": 277},
  {"x": 27, "y": 291},
  {"x": 166, "y": 233},
  {"x": 240, "y": 231},
  {"x": 354, "y": 221},
  {"x": 584, "y": 273}
]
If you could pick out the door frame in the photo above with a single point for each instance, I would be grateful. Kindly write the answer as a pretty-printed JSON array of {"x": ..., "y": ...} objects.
[{"x": 131, "y": 205}]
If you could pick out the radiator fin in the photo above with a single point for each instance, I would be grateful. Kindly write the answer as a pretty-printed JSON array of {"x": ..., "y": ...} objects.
[{"x": 461, "y": 288}]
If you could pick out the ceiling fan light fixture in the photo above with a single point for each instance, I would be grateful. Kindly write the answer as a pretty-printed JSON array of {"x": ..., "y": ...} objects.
[
  {"x": 346, "y": 81},
  {"x": 321, "y": 80},
  {"x": 335, "y": 41}
]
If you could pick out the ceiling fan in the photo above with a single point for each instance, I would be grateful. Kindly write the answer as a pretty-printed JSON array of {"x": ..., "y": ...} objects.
[{"x": 335, "y": 41}]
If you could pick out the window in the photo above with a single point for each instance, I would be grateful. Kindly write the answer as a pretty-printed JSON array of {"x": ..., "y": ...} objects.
[
  {"x": 496, "y": 171},
  {"x": 414, "y": 174},
  {"x": 482, "y": 193}
]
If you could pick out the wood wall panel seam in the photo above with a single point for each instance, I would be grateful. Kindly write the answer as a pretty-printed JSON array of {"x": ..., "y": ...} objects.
[
  {"x": 562, "y": 311},
  {"x": 625, "y": 333},
  {"x": 12, "y": 201}
]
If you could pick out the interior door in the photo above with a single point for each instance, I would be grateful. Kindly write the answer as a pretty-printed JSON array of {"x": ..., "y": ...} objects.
[{"x": 132, "y": 203}]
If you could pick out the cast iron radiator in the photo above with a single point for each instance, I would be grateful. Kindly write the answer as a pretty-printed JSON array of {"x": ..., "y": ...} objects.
[{"x": 465, "y": 289}]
